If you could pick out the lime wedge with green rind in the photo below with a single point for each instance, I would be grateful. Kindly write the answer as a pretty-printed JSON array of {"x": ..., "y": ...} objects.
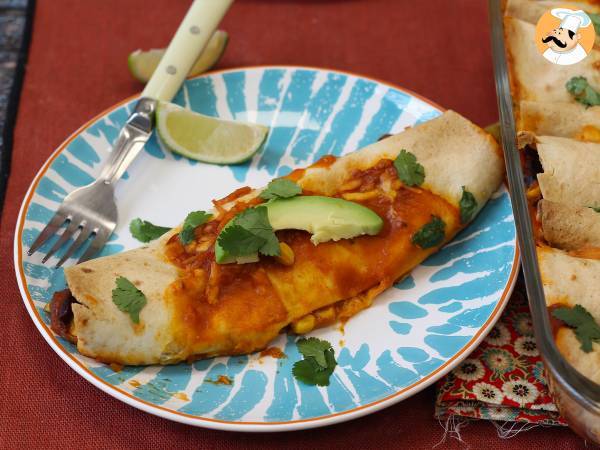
[
  {"x": 207, "y": 139},
  {"x": 142, "y": 63}
]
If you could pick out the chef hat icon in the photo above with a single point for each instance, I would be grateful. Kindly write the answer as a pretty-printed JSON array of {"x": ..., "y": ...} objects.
[{"x": 571, "y": 20}]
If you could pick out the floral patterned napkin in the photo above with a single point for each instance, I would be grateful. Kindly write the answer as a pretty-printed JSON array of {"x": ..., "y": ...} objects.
[{"x": 503, "y": 379}]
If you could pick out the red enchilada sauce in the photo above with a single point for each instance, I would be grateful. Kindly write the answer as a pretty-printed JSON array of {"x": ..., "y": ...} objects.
[
  {"x": 243, "y": 295},
  {"x": 323, "y": 162}
]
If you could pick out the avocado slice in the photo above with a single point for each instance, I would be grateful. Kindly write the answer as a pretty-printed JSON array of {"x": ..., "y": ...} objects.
[{"x": 326, "y": 218}]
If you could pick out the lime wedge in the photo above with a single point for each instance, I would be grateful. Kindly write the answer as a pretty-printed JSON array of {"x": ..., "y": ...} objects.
[
  {"x": 143, "y": 63},
  {"x": 206, "y": 138}
]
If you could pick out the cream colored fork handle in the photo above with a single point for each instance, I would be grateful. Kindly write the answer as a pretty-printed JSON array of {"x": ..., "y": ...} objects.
[{"x": 190, "y": 39}]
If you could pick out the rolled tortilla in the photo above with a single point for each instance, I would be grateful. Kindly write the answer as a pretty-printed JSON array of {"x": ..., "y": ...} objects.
[
  {"x": 570, "y": 120},
  {"x": 570, "y": 281},
  {"x": 569, "y": 227},
  {"x": 180, "y": 322},
  {"x": 446, "y": 171},
  {"x": 571, "y": 171},
  {"x": 535, "y": 78},
  {"x": 108, "y": 334}
]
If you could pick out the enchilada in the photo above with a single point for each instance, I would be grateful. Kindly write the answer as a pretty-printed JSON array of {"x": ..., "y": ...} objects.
[{"x": 195, "y": 307}]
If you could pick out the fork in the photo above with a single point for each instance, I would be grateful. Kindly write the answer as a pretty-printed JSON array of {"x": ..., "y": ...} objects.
[{"x": 90, "y": 212}]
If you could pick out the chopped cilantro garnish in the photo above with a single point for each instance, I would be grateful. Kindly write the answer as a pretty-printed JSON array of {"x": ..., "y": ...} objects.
[
  {"x": 431, "y": 234},
  {"x": 596, "y": 208},
  {"x": 250, "y": 232},
  {"x": 316, "y": 348},
  {"x": 238, "y": 241},
  {"x": 582, "y": 92},
  {"x": 410, "y": 172},
  {"x": 145, "y": 231},
  {"x": 280, "y": 188},
  {"x": 128, "y": 298},
  {"x": 468, "y": 206},
  {"x": 586, "y": 328},
  {"x": 191, "y": 222},
  {"x": 318, "y": 363}
]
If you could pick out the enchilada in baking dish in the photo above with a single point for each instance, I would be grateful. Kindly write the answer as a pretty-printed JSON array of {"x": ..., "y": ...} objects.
[
  {"x": 565, "y": 196},
  {"x": 559, "y": 123}
]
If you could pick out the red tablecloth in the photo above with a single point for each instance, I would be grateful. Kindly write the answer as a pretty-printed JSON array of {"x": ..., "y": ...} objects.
[{"x": 77, "y": 67}]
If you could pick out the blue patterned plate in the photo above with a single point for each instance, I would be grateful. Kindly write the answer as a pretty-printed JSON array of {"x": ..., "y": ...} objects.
[{"x": 413, "y": 334}]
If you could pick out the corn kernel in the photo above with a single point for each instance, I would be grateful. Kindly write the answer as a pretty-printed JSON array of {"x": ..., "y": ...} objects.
[
  {"x": 357, "y": 196},
  {"x": 325, "y": 314},
  {"x": 286, "y": 254},
  {"x": 304, "y": 325}
]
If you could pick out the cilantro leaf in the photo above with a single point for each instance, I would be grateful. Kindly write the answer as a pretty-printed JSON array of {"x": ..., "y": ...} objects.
[
  {"x": 271, "y": 246},
  {"x": 280, "y": 188},
  {"x": 595, "y": 21},
  {"x": 255, "y": 220},
  {"x": 128, "y": 298},
  {"x": 586, "y": 328},
  {"x": 410, "y": 172},
  {"x": 196, "y": 218},
  {"x": 308, "y": 370},
  {"x": 314, "y": 347},
  {"x": 187, "y": 235},
  {"x": 191, "y": 222},
  {"x": 145, "y": 231},
  {"x": 238, "y": 241},
  {"x": 582, "y": 92},
  {"x": 596, "y": 208},
  {"x": 250, "y": 232},
  {"x": 431, "y": 234},
  {"x": 468, "y": 206}
]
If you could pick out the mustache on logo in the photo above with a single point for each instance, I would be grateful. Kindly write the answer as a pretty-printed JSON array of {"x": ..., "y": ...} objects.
[{"x": 556, "y": 41}]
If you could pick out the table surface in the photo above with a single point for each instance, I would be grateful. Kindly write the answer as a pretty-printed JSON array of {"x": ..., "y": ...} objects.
[{"x": 77, "y": 67}]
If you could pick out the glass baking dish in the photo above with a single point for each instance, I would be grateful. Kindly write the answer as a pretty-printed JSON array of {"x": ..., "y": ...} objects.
[{"x": 577, "y": 398}]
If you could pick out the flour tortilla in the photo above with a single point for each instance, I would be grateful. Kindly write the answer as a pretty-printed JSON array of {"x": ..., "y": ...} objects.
[
  {"x": 570, "y": 120},
  {"x": 105, "y": 332},
  {"x": 453, "y": 151},
  {"x": 571, "y": 171},
  {"x": 569, "y": 227},
  {"x": 570, "y": 281}
]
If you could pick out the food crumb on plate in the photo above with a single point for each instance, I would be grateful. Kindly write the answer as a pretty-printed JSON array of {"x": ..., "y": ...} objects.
[
  {"x": 273, "y": 352},
  {"x": 116, "y": 367},
  {"x": 223, "y": 379},
  {"x": 181, "y": 396}
]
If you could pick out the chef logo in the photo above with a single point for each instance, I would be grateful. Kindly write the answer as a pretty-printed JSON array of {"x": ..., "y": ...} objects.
[{"x": 564, "y": 36}]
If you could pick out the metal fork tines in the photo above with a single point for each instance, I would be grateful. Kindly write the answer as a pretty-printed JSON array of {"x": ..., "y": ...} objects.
[{"x": 90, "y": 212}]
